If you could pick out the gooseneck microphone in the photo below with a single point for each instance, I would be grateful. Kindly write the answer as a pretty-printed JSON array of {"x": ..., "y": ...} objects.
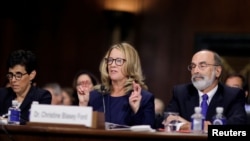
[{"x": 103, "y": 91}]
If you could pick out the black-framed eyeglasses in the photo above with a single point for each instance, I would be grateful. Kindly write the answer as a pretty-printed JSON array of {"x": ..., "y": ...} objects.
[
  {"x": 17, "y": 76},
  {"x": 201, "y": 66},
  {"x": 118, "y": 61}
]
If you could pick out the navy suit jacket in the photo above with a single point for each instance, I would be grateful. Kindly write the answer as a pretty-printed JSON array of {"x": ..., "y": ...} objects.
[
  {"x": 117, "y": 109},
  {"x": 185, "y": 98},
  {"x": 34, "y": 94}
]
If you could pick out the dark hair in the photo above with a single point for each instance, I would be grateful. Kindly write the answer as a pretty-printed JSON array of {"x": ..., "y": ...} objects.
[
  {"x": 69, "y": 91},
  {"x": 244, "y": 84},
  {"x": 23, "y": 58},
  {"x": 93, "y": 78}
]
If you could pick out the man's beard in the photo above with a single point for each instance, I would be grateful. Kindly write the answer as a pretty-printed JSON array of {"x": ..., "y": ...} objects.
[{"x": 204, "y": 83}]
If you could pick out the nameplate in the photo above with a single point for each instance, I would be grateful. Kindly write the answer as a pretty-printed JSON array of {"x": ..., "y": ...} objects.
[{"x": 61, "y": 114}]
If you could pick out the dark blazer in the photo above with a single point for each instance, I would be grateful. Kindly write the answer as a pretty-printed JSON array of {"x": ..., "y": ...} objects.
[
  {"x": 34, "y": 94},
  {"x": 186, "y": 97},
  {"x": 117, "y": 109}
]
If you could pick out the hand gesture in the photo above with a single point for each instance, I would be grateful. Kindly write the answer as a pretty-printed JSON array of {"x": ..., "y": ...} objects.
[
  {"x": 83, "y": 90},
  {"x": 135, "y": 97}
]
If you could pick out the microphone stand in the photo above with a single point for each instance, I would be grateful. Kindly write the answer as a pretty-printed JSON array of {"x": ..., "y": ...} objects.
[{"x": 103, "y": 101}]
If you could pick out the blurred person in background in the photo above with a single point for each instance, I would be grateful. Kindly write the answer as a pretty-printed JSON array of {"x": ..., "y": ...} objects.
[
  {"x": 56, "y": 92},
  {"x": 67, "y": 96},
  {"x": 159, "y": 106},
  {"x": 83, "y": 78},
  {"x": 159, "y": 113},
  {"x": 237, "y": 80}
]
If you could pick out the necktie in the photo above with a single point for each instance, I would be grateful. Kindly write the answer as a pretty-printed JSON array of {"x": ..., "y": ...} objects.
[{"x": 204, "y": 105}]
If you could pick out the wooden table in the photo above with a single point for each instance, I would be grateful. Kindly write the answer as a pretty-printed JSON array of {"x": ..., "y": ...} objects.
[{"x": 77, "y": 133}]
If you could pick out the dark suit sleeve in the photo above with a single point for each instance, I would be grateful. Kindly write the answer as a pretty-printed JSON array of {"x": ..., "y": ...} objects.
[
  {"x": 235, "y": 112},
  {"x": 173, "y": 105},
  {"x": 146, "y": 112},
  {"x": 44, "y": 97},
  {"x": 184, "y": 99},
  {"x": 3, "y": 101}
]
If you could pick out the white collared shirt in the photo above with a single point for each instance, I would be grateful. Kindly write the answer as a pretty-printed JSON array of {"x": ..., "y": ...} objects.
[{"x": 210, "y": 94}]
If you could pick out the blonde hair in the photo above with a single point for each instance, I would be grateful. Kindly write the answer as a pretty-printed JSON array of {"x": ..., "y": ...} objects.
[{"x": 132, "y": 68}]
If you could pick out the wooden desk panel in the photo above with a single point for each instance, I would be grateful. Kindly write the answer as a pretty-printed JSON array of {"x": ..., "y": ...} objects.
[{"x": 51, "y": 133}]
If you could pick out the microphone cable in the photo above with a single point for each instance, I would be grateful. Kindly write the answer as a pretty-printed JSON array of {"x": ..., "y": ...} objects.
[{"x": 103, "y": 101}]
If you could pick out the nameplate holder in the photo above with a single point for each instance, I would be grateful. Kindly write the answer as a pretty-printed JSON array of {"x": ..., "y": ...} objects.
[{"x": 70, "y": 115}]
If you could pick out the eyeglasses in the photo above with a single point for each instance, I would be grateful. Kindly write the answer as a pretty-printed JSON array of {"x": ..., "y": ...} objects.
[
  {"x": 17, "y": 76},
  {"x": 85, "y": 83},
  {"x": 201, "y": 66},
  {"x": 118, "y": 61}
]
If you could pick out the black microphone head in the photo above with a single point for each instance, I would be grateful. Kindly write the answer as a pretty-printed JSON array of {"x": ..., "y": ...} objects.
[
  {"x": 103, "y": 90},
  {"x": 102, "y": 87}
]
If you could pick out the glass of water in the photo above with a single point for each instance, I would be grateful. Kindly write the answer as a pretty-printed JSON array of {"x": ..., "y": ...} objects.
[{"x": 170, "y": 121}]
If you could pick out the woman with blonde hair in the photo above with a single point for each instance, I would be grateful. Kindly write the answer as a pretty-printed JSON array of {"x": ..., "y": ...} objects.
[{"x": 123, "y": 95}]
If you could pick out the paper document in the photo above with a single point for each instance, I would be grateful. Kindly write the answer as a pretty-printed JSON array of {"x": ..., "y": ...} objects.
[{"x": 113, "y": 126}]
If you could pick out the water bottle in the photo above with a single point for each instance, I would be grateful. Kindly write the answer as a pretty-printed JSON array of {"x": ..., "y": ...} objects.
[
  {"x": 219, "y": 118},
  {"x": 197, "y": 125},
  {"x": 33, "y": 103},
  {"x": 14, "y": 113}
]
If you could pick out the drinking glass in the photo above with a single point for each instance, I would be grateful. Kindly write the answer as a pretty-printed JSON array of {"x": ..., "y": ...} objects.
[{"x": 170, "y": 121}]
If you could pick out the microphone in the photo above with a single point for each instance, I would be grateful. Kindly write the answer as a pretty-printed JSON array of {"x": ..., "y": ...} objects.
[{"x": 103, "y": 91}]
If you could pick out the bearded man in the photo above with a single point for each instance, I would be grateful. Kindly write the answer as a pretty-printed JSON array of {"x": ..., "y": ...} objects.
[{"x": 206, "y": 69}]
